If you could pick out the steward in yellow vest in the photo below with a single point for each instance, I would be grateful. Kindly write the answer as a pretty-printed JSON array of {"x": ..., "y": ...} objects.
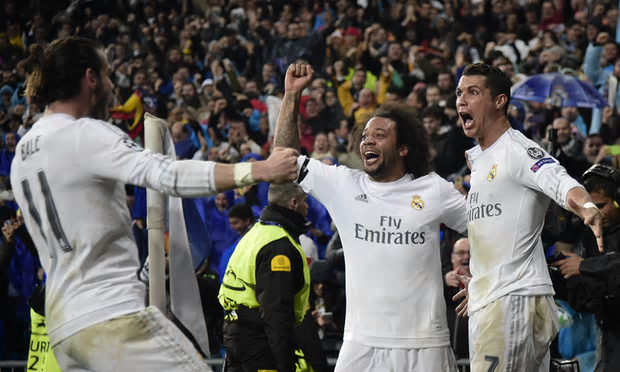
[
  {"x": 40, "y": 356},
  {"x": 266, "y": 286}
]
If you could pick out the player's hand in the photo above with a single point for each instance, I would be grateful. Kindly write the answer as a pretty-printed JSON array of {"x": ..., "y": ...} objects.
[
  {"x": 592, "y": 217},
  {"x": 280, "y": 167},
  {"x": 463, "y": 310},
  {"x": 570, "y": 265},
  {"x": 298, "y": 76}
]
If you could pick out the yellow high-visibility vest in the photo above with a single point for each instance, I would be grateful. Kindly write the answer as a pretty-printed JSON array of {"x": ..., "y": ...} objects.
[
  {"x": 239, "y": 282},
  {"x": 40, "y": 356}
]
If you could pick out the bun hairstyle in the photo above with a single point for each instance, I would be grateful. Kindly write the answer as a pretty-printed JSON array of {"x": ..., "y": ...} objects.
[{"x": 58, "y": 69}]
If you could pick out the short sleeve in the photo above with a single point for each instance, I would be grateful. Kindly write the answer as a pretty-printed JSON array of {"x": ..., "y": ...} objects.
[
  {"x": 321, "y": 180},
  {"x": 454, "y": 207}
]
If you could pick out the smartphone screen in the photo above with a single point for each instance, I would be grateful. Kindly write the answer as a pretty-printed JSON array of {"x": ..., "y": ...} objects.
[{"x": 613, "y": 150}]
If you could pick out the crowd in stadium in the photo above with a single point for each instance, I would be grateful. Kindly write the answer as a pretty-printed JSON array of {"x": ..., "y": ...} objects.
[{"x": 214, "y": 69}]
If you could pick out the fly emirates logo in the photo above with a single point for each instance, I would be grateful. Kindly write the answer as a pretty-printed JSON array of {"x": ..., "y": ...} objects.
[
  {"x": 476, "y": 212},
  {"x": 389, "y": 233}
]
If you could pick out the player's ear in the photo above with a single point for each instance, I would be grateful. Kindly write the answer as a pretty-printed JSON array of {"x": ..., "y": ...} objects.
[
  {"x": 501, "y": 101},
  {"x": 92, "y": 78},
  {"x": 403, "y": 151}
]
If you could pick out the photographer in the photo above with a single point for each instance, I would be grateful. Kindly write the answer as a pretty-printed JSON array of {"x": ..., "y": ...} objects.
[
  {"x": 593, "y": 283},
  {"x": 566, "y": 147}
]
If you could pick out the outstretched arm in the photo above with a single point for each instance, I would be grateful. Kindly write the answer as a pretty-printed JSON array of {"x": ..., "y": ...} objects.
[
  {"x": 298, "y": 76},
  {"x": 580, "y": 203}
]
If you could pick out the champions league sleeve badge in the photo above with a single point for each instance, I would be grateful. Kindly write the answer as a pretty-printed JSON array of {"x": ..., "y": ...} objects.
[
  {"x": 535, "y": 153},
  {"x": 540, "y": 163}
]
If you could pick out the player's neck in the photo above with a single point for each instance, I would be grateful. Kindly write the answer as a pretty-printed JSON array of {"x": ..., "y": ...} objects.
[
  {"x": 74, "y": 108},
  {"x": 395, "y": 175},
  {"x": 493, "y": 133}
]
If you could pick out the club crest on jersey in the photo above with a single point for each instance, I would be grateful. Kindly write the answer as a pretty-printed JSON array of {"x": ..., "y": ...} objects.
[
  {"x": 535, "y": 153},
  {"x": 417, "y": 203},
  {"x": 492, "y": 174}
]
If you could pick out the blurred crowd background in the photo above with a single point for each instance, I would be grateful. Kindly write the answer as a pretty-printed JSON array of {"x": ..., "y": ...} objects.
[{"x": 214, "y": 70}]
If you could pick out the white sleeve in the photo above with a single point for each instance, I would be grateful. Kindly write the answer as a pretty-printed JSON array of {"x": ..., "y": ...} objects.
[
  {"x": 539, "y": 171},
  {"x": 273, "y": 110},
  {"x": 454, "y": 212},
  {"x": 108, "y": 153},
  {"x": 321, "y": 180}
]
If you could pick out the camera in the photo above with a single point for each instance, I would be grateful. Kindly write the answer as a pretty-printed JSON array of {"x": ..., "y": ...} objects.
[
  {"x": 552, "y": 135},
  {"x": 555, "y": 257}
]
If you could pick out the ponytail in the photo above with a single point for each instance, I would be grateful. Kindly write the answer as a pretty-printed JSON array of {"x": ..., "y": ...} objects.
[
  {"x": 35, "y": 82},
  {"x": 57, "y": 70}
]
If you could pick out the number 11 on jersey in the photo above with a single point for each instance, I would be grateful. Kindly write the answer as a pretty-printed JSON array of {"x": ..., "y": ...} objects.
[{"x": 50, "y": 209}]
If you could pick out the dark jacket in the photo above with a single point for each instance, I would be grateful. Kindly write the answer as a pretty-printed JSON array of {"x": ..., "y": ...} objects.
[
  {"x": 449, "y": 148},
  {"x": 271, "y": 327},
  {"x": 597, "y": 290},
  {"x": 7, "y": 252}
]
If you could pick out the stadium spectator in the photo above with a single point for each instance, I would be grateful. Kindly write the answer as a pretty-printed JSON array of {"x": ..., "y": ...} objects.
[
  {"x": 594, "y": 280},
  {"x": 458, "y": 326},
  {"x": 241, "y": 219}
]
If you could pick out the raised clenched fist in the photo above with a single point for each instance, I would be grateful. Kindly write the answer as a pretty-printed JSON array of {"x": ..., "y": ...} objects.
[{"x": 298, "y": 77}]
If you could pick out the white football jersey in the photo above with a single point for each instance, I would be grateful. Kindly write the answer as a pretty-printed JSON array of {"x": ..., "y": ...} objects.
[
  {"x": 68, "y": 177},
  {"x": 512, "y": 183},
  {"x": 390, "y": 237}
]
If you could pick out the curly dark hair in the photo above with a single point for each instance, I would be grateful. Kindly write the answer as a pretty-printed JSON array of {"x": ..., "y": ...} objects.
[
  {"x": 409, "y": 132},
  {"x": 497, "y": 82}
]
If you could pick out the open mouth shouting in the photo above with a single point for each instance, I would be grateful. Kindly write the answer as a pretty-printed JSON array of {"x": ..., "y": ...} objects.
[
  {"x": 371, "y": 157},
  {"x": 468, "y": 120}
]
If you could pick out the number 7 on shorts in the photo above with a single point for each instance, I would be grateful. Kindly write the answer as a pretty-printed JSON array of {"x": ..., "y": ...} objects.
[{"x": 494, "y": 362}]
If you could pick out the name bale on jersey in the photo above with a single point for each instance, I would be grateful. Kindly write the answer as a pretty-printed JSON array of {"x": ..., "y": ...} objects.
[
  {"x": 476, "y": 212},
  {"x": 30, "y": 147},
  {"x": 389, "y": 233}
]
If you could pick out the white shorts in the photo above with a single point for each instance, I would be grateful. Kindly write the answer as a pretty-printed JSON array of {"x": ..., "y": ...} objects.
[
  {"x": 513, "y": 334},
  {"x": 355, "y": 357},
  {"x": 143, "y": 341}
]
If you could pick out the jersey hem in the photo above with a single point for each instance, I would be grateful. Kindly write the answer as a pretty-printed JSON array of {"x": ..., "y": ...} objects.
[
  {"x": 391, "y": 342},
  {"x": 100, "y": 314},
  {"x": 497, "y": 294}
]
